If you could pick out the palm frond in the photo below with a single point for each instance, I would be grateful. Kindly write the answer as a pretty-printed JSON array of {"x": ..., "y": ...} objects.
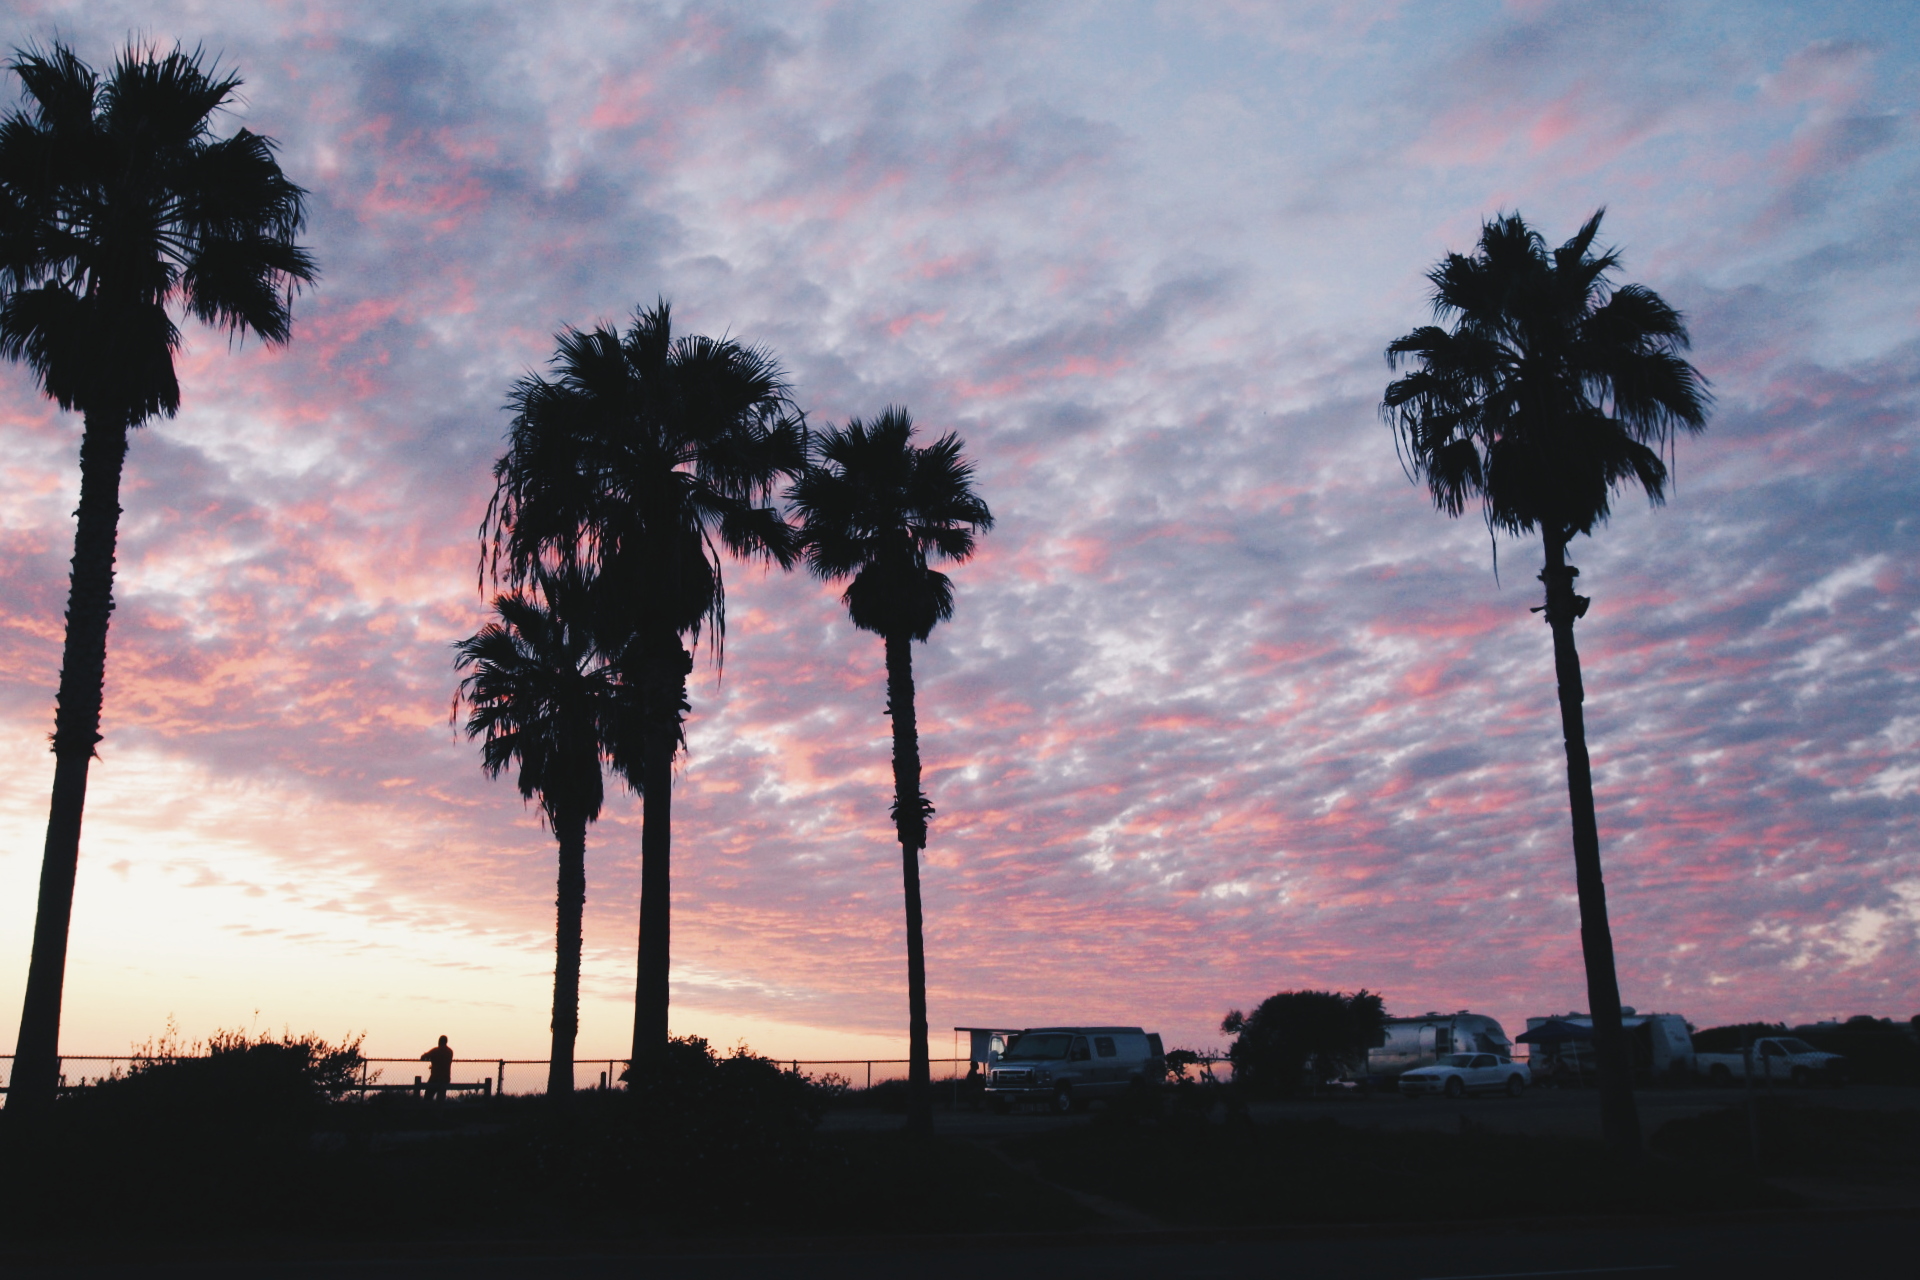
[{"x": 1544, "y": 389}]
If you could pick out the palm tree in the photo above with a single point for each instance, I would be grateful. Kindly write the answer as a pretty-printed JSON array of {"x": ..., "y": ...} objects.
[
  {"x": 1552, "y": 388},
  {"x": 877, "y": 508},
  {"x": 118, "y": 208},
  {"x": 640, "y": 458},
  {"x": 540, "y": 698}
]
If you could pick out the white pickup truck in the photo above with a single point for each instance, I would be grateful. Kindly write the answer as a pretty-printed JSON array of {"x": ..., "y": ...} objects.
[{"x": 1779, "y": 1059}]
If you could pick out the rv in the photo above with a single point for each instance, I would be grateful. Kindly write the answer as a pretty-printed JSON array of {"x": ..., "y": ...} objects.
[
  {"x": 1423, "y": 1041},
  {"x": 1660, "y": 1044}
]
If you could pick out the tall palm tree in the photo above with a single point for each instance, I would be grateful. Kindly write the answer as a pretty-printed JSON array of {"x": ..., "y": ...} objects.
[
  {"x": 120, "y": 208},
  {"x": 540, "y": 698},
  {"x": 639, "y": 459},
  {"x": 1551, "y": 389},
  {"x": 877, "y": 508}
]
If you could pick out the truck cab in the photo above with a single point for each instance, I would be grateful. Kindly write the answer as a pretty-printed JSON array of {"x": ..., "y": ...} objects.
[
  {"x": 1065, "y": 1068},
  {"x": 1773, "y": 1060}
]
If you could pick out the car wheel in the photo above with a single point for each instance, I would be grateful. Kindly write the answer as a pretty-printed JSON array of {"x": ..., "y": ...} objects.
[
  {"x": 1063, "y": 1102},
  {"x": 1456, "y": 1087},
  {"x": 1801, "y": 1077},
  {"x": 1515, "y": 1086}
]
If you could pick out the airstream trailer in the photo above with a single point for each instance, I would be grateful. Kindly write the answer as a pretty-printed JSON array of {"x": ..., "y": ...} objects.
[{"x": 1423, "y": 1041}]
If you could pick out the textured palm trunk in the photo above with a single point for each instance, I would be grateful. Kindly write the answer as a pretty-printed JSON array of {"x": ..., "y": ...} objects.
[
  {"x": 83, "y": 667},
  {"x": 665, "y": 701},
  {"x": 1619, "y": 1117},
  {"x": 910, "y": 820},
  {"x": 570, "y": 904}
]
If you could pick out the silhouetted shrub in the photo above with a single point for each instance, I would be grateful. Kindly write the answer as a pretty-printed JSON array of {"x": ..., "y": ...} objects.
[
  {"x": 1877, "y": 1050},
  {"x": 1734, "y": 1037},
  {"x": 226, "y": 1123},
  {"x": 1301, "y": 1038},
  {"x": 234, "y": 1089}
]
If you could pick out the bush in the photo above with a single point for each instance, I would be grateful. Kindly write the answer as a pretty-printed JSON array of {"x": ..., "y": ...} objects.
[
  {"x": 1735, "y": 1037},
  {"x": 233, "y": 1089},
  {"x": 1877, "y": 1050},
  {"x": 1302, "y": 1038}
]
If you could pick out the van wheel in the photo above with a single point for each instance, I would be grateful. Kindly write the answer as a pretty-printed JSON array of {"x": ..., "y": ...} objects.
[
  {"x": 1001, "y": 1106},
  {"x": 1515, "y": 1086},
  {"x": 1802, "y": 1078},
  {"x": 1063, "y": 1102},
  {"x": 1720, "y": 1077}
]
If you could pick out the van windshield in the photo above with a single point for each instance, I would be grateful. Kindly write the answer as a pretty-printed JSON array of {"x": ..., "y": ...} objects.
[{"x": 1038, "y": 1048}]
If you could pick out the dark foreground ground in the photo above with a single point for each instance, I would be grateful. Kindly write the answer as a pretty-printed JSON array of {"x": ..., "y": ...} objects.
[
  {"x": 751, "y": 1175},
  {"x": 1762, "y": 1250}
]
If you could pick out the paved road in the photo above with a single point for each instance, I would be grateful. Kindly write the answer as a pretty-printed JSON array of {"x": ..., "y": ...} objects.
[{"x": 1751, "y": 1250}]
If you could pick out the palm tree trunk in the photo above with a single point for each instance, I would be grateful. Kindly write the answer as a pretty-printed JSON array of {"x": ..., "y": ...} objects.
[
  {"x": 1619, "y": 1117},
  {"x": 570, "y": 902},
  {"x": 665, "y": 702},
  {"x": 83, "y": 669},
  {"x": 910, "y": 819}
]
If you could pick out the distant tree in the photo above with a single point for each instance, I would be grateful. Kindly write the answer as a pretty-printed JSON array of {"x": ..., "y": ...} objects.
[
  {"x": 637, "y": 460},
  {"x": 1551, "y": 389},
  {"x": 120, "y": 208},
  {"x": 878, "y": 509},
  {"x": 542, "y": 701},
  {"x": 1298, "y": 1039}
]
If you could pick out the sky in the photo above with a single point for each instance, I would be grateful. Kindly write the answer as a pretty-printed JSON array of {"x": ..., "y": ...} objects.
[{"x": 1226, "y": 708}]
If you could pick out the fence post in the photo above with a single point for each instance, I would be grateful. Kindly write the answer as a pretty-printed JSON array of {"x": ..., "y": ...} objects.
[
  {"x": 869, "y": 1075},
  {"x": 501, "y": 1088}
]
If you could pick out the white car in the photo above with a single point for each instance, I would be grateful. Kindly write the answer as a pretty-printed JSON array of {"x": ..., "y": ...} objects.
[{"x": 1459, "y": 1074}]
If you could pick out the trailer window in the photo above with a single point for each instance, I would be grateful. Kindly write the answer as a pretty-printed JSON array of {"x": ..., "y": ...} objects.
[{"x": 1103, "y": 1045}]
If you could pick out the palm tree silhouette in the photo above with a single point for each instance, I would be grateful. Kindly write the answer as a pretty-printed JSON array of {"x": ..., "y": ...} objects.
[
  {"x": 117, "y": 205},
  {"x": 539, "y": 697},
  {"x": 877, "y": 508},
  {"x": 1551, "y": 389},
  {"x": 639, "y": 459}
]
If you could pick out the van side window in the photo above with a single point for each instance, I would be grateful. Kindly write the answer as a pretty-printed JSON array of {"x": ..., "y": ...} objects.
[
  {"x": 1103, "y": 1045},
  {"x": 1079, "y": 1052}
]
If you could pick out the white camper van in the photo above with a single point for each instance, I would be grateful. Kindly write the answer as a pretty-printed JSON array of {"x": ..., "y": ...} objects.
[
  {"x": 1423, "y": 1041},
  {"x": 1068, "y": 1067}
]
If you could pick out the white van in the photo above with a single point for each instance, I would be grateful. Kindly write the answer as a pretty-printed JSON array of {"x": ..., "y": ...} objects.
[{"x": 1068, "y": 1067}]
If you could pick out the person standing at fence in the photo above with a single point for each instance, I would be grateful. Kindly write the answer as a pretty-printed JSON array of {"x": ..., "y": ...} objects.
[{"x": 439, "y": 1062}]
